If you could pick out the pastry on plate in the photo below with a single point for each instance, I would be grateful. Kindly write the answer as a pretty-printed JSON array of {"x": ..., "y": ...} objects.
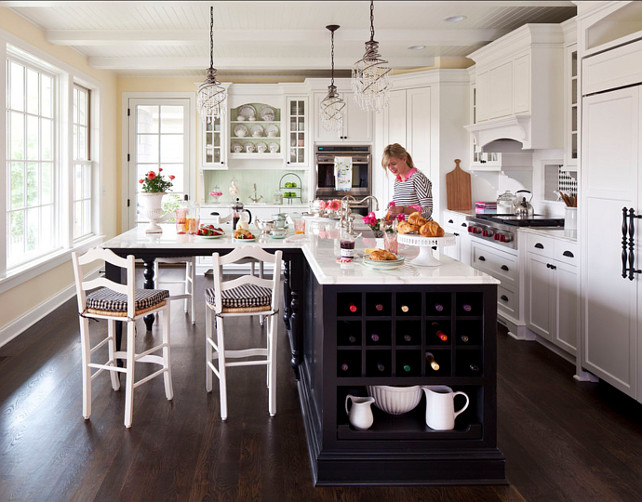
[
  {"x": 416, "y": 219},
  {"x": 431, "y": 229},
  {"x": 241, "y": 233},
  {"x": 406, "y": 228},
  {"x": 382, "y": 255}
]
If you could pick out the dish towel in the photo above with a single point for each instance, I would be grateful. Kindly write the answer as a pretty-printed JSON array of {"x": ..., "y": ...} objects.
[{"x": 343, "y": 173}]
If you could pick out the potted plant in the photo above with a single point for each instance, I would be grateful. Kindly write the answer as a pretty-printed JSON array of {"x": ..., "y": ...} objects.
[{"x": 154, "y": 187}]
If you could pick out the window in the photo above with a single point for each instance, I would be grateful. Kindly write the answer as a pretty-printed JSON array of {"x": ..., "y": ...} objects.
[
  {"x": 82, "y": 165},
  {"x": 31, "y": 130}
]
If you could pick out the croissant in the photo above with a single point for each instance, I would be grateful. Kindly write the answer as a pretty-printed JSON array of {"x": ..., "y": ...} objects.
[
  {"x": 382, "y": 255},
  {"x": 431, "y": 229},
  {"x": 416, "y": 219},
  {"x": 406, "y": 228}
]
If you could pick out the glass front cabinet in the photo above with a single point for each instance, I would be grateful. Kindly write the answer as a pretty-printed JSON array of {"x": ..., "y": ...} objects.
[
  {"x": 298, "y": 137},
  {"x": 213, "y": 143}
]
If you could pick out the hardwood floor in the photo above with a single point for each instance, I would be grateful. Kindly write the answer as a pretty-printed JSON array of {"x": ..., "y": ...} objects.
[{"x": 563, "y": 440}]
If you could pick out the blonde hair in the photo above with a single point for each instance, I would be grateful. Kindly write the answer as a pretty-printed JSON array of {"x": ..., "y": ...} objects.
[{"x": 398, "y": 152}]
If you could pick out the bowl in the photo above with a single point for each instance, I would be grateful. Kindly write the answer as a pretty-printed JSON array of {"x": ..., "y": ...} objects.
[{"x": 395, "y": 400}]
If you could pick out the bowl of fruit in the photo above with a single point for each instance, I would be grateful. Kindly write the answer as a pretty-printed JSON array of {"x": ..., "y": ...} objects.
[{"x": 210, "y": 232}]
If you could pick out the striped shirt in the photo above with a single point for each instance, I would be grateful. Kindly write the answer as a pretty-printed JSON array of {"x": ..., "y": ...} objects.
[{"x": 415, "y": 190}]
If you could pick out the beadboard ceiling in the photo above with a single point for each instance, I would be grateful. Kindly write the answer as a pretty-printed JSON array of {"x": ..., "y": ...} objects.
[{"x": 165, "y": 38}]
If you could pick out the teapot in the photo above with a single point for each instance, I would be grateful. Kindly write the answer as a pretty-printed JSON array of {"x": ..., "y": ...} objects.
[
  {"x": 506, "y": 203},
  {"x": 238, "y": 212},
  {"x": 523, "y": 208}
]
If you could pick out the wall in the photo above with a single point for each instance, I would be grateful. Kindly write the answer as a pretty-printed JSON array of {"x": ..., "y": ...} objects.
[{"x": 45, "y": 291}]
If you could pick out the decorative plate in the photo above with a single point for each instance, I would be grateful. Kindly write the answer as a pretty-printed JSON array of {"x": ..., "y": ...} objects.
[
  {"x": 274, "y": 147},
  {"x": 261, "y": 147},
  {"x": 257, "y": 131},
  {"x": 244, "y": 240},
  {"x": 249, "y": 147},
  {"x": 247, "y": 112},
  {"x": 240, "y": 131},
  {"x": 272, "y": 131},
  {"x": 237, "y": 147},
  {"x": 267, "y": 113}
]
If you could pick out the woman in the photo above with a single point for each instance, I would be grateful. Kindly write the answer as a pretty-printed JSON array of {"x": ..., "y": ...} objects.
[{"x": 412, "y": 189}]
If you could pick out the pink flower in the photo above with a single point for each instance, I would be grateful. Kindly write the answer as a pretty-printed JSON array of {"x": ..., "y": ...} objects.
[
  {"x": 391, "y": 203},
  {"x": 151, "y": 175},
  {"x": 401, "y": 217},
  {"x": 171, "y": 176},
  {"x": 160, "y": 169},
  {"x": 322, "y": 204},
  {"x": 335, "y": 205},
  {"x": 141, "y": 180}
]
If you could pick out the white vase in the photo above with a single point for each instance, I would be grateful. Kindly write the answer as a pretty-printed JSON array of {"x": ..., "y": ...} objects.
[{"x": 150, "y": 203}]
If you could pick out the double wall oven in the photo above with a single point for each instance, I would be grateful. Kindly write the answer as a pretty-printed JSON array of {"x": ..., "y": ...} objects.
[{"x": 361, "y": 173}]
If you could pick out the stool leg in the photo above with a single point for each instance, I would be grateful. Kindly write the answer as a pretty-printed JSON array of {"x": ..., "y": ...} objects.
[
  {"x": 86, "y": 370},
  {"x": 111, "y": 345},
  {"x": 272, "y": 342},
  {"x": 208, "y": 349},
  {"x": 129, "y": 382},
  {"x": 186, "y": 288},
  {"x": 220, "y": 342},
  {"x": 167, "y": 376},
  {"x": 192, "y": 267}
]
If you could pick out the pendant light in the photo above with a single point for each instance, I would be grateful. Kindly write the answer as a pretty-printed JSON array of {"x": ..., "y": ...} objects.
[
  {"x": 211, "y": 94},
  {"x": 332, "y": 105},
  {"x": 370, "y": 75}
]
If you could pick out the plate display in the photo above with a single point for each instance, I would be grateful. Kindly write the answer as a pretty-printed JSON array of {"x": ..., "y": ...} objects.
[
  {"x": 247, "y": 112},
  {"x": 267, "y": 113},
  {"x": 274, "y": 147},
  {"x": 257, "y": 131},
  {"x": 272, "y": 131},
  {"x": 240, "y": 131},
  {"x": 249, "y": 147}
]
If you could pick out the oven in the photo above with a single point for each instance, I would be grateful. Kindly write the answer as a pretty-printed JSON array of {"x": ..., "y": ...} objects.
[{"x": 361, "y": 172}]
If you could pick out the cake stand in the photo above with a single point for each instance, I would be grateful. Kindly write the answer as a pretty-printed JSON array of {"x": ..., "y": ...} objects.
[{"x": 425, "y": 258}]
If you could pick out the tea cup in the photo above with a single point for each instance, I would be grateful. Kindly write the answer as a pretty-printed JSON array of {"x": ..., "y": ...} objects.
[{"x": 237, "y": 148}]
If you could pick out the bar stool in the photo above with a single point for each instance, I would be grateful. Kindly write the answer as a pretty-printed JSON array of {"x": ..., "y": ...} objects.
[
  {"x": 188, "y": 282},
  {"x": 119, "y": 302},
  {"x": 247, "y": 295}
]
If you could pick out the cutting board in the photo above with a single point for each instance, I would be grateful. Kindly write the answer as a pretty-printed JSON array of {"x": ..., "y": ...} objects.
[{"x": 458, "y": 196}]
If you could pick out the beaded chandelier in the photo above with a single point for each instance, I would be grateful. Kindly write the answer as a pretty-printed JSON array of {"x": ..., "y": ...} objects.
[
  {"x": 211, "y": 94},
  {"x": 332, "y": 105}
]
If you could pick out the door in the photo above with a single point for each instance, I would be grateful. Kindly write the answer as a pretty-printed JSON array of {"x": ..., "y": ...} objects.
[
  {"x": 610, "y": 165},
  {"x": 158, "y": 138}
]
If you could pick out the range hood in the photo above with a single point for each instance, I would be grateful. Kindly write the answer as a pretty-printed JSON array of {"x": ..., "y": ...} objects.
[{"x": 515, "y": 127}]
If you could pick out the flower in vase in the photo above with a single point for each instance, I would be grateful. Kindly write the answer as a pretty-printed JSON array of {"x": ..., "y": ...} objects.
[
  {"x": 322, "y": 205},
  {"x": 334, "y": 205},
  {"x": 155, "y": 183}
]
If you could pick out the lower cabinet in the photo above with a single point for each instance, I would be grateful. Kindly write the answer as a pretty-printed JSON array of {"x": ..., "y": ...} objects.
[
  {"x": 552, "y": 297},
  {"x": 455, "y": 223},
  {"x": 401, "y": 336}
]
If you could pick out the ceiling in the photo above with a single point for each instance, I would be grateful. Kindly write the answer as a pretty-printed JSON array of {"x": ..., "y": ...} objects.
[{"x": 169, "y": 38}]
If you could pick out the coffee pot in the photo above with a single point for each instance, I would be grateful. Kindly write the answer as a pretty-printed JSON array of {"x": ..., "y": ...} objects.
[
  {"x": 239, "y": 212},
  {"x": 523, "y": 208}
]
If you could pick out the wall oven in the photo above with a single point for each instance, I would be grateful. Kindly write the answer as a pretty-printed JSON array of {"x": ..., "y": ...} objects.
[{"x": 361, "y": 172}]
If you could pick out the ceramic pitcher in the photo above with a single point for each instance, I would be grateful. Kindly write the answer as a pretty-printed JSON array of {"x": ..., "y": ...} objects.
[
  {"x": 360, "y": 414},
  {"x": 440, "y": 407}
]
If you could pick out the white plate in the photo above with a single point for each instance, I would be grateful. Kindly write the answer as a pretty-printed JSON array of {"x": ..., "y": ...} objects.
[
  {"x": 267, "y": 113},
  {"x": 272, "y": 129},
  {"x": 210, "y": 236},
  {"x": 384, "y": 263},
  {"x": 244, "y": 240},
  {"x": 247, "y": 112},
  {"x": 240, "y": 131},
  {"x": 249, "y": 147},
  {"x": 257, "y": 131}
]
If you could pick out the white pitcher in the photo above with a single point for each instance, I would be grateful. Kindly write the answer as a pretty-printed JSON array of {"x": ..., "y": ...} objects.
[
  {"x": 360, "y": 413},
  {"x": 440, "y": 407}
]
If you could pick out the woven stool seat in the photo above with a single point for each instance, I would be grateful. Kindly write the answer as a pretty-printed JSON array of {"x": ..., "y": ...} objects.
[
  {"x": 245, "y": 296},
  {"x": 107, "y": 300}
]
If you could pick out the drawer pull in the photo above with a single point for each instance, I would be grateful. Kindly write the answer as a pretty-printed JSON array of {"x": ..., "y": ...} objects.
[
  {"x": 569, "y": 254},
  {"x": 481, "y": 258},
  {"x": 504, "y": 298},
  {"x": 451, "y": 221},
  {"x": 553, "y": 267},
  {"x": 504, "y": 267},
  {"x": 455, "y": 234},
  {"x": 464, "y": 225},
  {"x": 539, "y": 246}
]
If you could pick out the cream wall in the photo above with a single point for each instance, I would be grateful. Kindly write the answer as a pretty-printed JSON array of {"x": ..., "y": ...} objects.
[{"x": 28, "y": 296}]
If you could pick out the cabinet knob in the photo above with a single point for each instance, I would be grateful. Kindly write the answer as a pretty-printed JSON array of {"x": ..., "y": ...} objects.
[
  {"x": 455, "y": 234},
  {"x": 481, "y": 258},
  {"x": 464, "y": 225},
  {"x": 504, "y": 298},
  {"x": 569, "y": 254},
  {"x": 451, "y": 221}
]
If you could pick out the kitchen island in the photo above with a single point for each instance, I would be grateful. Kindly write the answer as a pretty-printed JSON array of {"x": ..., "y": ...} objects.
[{"x": 332, "y": 312}]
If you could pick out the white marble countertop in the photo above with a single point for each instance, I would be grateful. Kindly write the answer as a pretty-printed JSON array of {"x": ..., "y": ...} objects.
[{"x": 321, "y": 252}]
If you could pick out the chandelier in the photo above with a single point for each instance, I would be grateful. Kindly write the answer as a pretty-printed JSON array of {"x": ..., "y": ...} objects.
[
  {"x": 211, "y": 94},
  {"x": 332, "y": 105},
  {"x": 370, "y": 74}
]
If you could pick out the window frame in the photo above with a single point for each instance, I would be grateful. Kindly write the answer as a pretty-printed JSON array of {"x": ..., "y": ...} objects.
[{"x": 65, "y": 76}]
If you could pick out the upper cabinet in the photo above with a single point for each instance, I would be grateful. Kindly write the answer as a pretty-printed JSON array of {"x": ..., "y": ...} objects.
[
  {"x": 570, "y": 95},
  {"x": 255, "y": 130},
  {"x": 519, "y": 88},
  {"x": 213, "y": 143},
  {"x": 357, "y": 124},
  {"x": 298, "y": 131}
]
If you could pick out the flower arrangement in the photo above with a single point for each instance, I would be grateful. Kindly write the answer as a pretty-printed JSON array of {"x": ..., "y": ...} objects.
[
  {"x": 330, "y": 205},
  {"x": 402, "y": 216},
  {"x": 371, "y": 220},
  {"x": 156, "y": 183}
]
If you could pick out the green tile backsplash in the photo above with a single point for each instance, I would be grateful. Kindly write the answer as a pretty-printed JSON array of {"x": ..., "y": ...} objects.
[{"x": 267, "y": 182}]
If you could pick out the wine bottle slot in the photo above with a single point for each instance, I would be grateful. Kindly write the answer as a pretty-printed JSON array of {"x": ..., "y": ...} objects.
[
  {"x": 464, "y": 338},
  {"x": 442, "y": 336},
  {"x": 381, "y": 367},
  {"x": 405, "y": 309},
  {"x": 439, "y": 307},
  {"x": 466, "y": 307},
  {"x": 345, "y": 367},
  {"x": 352, "y": 308},
  {"x": 379, "y": 307},
  {"x": 407, "y": 338},
  {"x": 352, "y": 339},
  {"x": 374, "y": 337},
  {"x": 430, "y": 359},
  {"x": 407, "y": 368},
  {"x": 474, "y": 368}
]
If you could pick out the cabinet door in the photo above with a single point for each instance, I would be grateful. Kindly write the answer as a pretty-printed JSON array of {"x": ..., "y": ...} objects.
[
  {"x": 567, "y": 303},
  {"x": 298, "y": 135},
  {"x": 539, "y": 313},
  {"x": 610, "y": 165},
  {"x": 500, "y": 92},
  {"x": 418, "y": 127},
  {"x": 522, "y": 84},
  {"x": 357, "y": 124},
  {"x": 482, "y": 91},
  {"x": 396, "y": 118},
  {"x": 213, "y": 143}
]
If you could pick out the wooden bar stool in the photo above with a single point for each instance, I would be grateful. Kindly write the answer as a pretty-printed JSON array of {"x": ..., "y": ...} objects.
[
  {"x": 119, "y": 302},
  {"x": 247, "y": 295}
]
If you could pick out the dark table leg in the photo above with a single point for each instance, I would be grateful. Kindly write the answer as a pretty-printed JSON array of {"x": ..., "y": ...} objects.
[
  {"x": 287, "y": 296},
  {"x": 148, "y": 274},
  {"x": 296, "y": 327}
]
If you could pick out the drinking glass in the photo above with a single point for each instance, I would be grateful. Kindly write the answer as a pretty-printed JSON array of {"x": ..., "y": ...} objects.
[
  {"x": 299, "y": 226},
  {"x": 390, "y": 242}
]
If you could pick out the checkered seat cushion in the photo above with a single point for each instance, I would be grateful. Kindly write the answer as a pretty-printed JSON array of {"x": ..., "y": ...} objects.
[
  {"x": 242, "y": 298},
  {"x": 108, "y": 301}
]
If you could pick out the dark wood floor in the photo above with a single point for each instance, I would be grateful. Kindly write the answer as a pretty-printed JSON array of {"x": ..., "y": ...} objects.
[{"x": 563, "y": 440}]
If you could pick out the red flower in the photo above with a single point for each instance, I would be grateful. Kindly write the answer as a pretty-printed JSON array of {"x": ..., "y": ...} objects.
[
  {"x": 160, "y": 169},
  {"x": 141, "y": 180},
  {"x": 171, "y": 176},
  {"x": 151, "y": 175}
]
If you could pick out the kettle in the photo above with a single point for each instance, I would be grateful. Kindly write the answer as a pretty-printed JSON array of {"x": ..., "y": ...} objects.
[
  {"x": 237, "y": 213},
  {"x": 506, "y": 203},
  {"x": 523, "y": 208}
]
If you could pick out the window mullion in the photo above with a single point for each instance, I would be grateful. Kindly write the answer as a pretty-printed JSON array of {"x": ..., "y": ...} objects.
[{"x": 4, "y": 174}]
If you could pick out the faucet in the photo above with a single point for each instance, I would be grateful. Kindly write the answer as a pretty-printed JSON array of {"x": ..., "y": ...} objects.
[
  {"x": 345, "y": 218},
  {"x": 255, "y": 199}
]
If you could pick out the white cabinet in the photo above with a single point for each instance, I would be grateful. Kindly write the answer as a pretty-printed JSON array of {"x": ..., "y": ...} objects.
[
  {"x": 213, "y": 143},
  {"x": 357, "y": 124},
  {"x": 455, "y": 223},
  {"x": 552, "y": 299},
  {"x": 256, "y": 128},
  {"x": 298, "y": 131}
]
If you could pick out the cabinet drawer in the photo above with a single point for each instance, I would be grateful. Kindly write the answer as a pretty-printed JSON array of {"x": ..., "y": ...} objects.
[
  {"x": 567, "y": 252},
  {"x": 538, "y": 244},
  {"x": 613, "y": 68},
  {"x": 500, "y": 265},
  {"x": 508, "y": 301},
  {"x": 455, "y": 222}
]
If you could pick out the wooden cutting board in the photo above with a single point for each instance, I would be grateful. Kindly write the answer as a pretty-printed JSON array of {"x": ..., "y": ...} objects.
[{"x": 458, "y": 196}]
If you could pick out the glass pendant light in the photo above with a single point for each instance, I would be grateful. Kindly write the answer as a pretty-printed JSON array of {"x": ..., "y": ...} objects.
[
  {"x": 211, "y": 94},
  {"x": 332, "y": 105},
  {"x": 370, "y": 75}
]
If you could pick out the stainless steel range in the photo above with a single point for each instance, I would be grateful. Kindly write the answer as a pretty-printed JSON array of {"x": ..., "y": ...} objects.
[{"x": 502, "y": 228}]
